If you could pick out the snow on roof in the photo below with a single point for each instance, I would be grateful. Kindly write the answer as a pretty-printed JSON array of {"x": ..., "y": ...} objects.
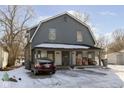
[{"x": 65, "y": 46}]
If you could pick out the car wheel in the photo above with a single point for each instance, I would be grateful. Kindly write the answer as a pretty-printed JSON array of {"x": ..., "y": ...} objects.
[
  {"x": 50, "y": 73},
  {"x": 53, "y": 72},
  {"x": 35, "y": 72},
  {"x": 31, "y": 70}
]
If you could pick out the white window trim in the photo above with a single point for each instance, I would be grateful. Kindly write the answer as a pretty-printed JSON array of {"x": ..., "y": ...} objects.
[
  {"x": 52, "y": 33},
  {"x": 79, "y": 36}
]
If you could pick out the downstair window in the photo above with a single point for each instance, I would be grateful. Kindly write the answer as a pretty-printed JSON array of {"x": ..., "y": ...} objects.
[{"x": 38, "y": 54}]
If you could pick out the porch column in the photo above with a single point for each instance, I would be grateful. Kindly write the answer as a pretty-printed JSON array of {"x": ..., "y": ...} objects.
[
  {"x": 30, "y": 53},
  {"x": 58, "y": 57},
  {"x": 34, "y": 55},
  {"x": 71, "y": 58}
]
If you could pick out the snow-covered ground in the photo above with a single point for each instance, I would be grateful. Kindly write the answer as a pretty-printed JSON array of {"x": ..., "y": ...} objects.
[
  {"x": 119, "y": 71},
  {"x": 89, "y": 77}
]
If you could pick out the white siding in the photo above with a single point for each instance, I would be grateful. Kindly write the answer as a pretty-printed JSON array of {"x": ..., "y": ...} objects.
[
  {"x": 120, "y": 59},
  {"x": 3, "y": 58},
  {"x": 97, "y": 60},
  {"x": 58, "y": 58},
  {"x": 116, "y": 58},
  {"x": 112, "y": 58},
  {"x": 74, "y": 57}
]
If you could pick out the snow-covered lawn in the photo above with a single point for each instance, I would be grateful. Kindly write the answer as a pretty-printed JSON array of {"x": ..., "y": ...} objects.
[{"x": 89, "y": 77}]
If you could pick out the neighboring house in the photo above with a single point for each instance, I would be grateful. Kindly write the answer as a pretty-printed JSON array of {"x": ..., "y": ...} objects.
[
  {"x": 62, "y": 38},
  {"x": 116, "y": 58},
  {"x": 19, "y": 61},
  {"x": 3, "y": 58}
]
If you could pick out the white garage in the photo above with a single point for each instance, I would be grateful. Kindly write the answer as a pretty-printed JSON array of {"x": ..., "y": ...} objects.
[{"x": 116, "y": 58}]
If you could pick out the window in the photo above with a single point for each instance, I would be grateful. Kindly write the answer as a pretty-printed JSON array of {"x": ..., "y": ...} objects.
[
  {"x": 90, "y": 54},
  {"x": 38, "y": 54},
  {"x": 65, "y": 19},
  {"x": 79, "y": 36},
  {"x": 52, "y": 34},
  {"x": 35, "y": 55}
]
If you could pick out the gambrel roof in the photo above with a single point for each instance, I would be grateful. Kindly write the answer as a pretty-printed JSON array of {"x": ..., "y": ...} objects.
[{"x": 84, "y": 24}]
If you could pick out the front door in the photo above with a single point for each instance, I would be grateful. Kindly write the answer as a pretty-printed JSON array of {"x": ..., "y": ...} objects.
[
  {"x": 50, "y": 55},
  {"x": 65, "y": 58}
]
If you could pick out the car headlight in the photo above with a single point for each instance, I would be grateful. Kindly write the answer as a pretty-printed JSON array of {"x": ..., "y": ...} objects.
[{"x": 37, "y": 65}]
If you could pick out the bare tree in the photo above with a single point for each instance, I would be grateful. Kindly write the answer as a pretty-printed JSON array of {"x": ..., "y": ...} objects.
[
  {"x": 103, "y": 43},
  {"x": 13, "y": 22},
  {"x": 118, "y": 35},
  {"x": 118, "y": 41},
  {"x": 84, "y": 17}
]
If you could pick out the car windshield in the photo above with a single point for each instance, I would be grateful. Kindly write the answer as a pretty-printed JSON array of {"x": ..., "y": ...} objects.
[{"x": 44, "y": 61}]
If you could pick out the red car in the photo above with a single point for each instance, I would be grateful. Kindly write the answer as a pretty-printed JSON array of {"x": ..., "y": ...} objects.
[{"x": 43, "y": 65}]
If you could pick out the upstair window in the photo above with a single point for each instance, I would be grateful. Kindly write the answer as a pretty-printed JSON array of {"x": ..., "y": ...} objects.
[
  {"x": 52, "y": 34},
  {"x": 79, "y": 36}
]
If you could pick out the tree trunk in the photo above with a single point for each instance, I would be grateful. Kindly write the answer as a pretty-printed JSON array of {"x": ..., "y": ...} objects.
[
  {"x": 99, "y": 56},
  {"x": 11, "y": 60}
]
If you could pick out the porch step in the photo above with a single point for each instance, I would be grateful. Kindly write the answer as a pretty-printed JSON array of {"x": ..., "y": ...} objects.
[
  {"x": 62, "y": 67},
  {"x": 90, "y": 66},
  {"x": 77, "y": 67}
]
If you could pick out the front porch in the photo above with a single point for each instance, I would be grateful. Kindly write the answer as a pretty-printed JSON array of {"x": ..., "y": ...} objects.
[{"x": 66, "y": 57}]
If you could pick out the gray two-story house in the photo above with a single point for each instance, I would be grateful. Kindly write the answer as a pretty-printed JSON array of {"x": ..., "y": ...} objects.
[{"x": 64, "y": 39}]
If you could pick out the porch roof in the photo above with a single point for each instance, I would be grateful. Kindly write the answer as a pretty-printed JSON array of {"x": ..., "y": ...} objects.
[{"x": 61, "y": 46}]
